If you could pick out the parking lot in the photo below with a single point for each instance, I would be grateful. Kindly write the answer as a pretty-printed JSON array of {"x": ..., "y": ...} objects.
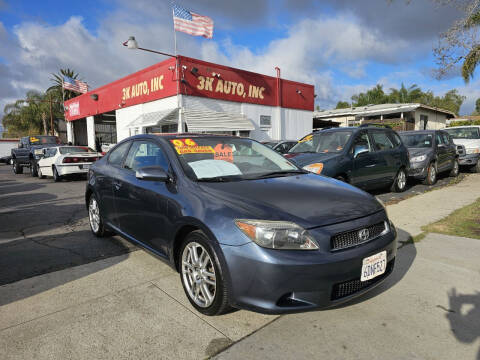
[{"x": 68, "y": 294}]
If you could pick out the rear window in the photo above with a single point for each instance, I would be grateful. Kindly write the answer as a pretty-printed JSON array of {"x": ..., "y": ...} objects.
[{"x": 75, "y": 150}]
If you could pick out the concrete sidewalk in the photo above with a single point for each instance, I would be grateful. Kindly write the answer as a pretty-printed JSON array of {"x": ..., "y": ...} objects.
[{"x": 133, "y": 306}]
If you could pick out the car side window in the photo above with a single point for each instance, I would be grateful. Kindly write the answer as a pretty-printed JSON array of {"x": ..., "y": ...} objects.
[
  {"x": 394, "y": 138},
  {"x": 446, "y": 139},
  {"x": 361, "y": 143},
  {"x": 116, "y": 155},
  {"x": 439, "y": 139},
  {"x": 382, "y": 141},
  {"x": 145, "y": 153},
  {"x": 53, "y": 152}
]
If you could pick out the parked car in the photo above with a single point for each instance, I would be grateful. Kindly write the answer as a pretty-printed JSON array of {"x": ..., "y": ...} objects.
[
  {"x": 281, "y": 147},
  {"x": 468, "y": 136},
  {"x": 243, "y": 226},
  {"x": 431, "y": 152},
  {"x": 62, "y": 161},
  {"x": 6, "y": 159},
  {"x": 30, "y": 149},
  {"x": 367, "y": 156}
]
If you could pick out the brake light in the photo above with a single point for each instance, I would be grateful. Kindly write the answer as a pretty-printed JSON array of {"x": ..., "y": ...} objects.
[{"x": 72, "y": 160}]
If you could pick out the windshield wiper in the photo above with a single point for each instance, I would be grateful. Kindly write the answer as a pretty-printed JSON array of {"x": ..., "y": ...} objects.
[
  {"x": 277, "y": 173},
  {"x": 217, "y": 179}
]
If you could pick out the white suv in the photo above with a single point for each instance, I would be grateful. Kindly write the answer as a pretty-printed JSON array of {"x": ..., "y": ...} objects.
[{"x": 469, "y": 137}]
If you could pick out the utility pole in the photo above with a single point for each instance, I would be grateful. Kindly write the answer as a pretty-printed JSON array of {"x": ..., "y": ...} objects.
[{"x": 51, "y": 116}]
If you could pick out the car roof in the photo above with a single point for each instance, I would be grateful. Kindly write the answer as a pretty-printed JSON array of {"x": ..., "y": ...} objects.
[
  {"x": 463, "y": 126},
  {"x": 418, "y": 132},
  {"x": 169, "y": 136}
]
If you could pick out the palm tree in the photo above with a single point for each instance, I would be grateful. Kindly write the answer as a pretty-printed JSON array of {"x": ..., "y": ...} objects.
[
  {"x": 472, "y": 59},
  {"x": 57, "y": 79},
  {"x": 406, "y": 95}
]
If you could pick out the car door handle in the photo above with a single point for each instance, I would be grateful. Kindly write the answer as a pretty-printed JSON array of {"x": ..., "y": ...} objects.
[{"x": 371, "y": 165}]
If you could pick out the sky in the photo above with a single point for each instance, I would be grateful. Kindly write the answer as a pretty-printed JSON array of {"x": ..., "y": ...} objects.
[{"x": 340, "y": 46}]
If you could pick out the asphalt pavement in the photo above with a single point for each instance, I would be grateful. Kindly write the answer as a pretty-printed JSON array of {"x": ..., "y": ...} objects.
[{"x": 70, "y": 295}]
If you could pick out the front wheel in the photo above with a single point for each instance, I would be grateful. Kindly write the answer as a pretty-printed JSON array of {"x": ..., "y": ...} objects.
[
  {"x": 17, "y": 169},
  {"x": 33, "y": 169},
  {"x": 400, "y": 182},
  {"x": 202, "y": 275},
  {"x": 455, "y": 169},
  {"x": 39, "y": 172},
  {"x": 431, "y": 178}
]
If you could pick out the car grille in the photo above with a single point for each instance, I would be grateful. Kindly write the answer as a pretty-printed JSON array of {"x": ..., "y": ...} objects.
[
  {"x": 352, "y": 238},
  {"x": 347, "y": 288}
]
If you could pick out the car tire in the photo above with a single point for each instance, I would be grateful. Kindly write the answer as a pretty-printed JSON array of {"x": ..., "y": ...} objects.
[
  {"x": 56, "y": 177},
  {"x": 95, "y": 219},
  {"x": 431, "y": 178},
  {"x": 17, "y": 168},
  {"x": 400, "y": 182},
  {"x": 455, "y": 169},
  {"x": 33, "y": 169},
  {"x": 209, "y": 298},
  {"x": 475, "y": 168}
]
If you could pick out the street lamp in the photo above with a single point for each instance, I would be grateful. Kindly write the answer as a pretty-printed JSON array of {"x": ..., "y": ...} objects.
[{"x": 132, "y": 44}]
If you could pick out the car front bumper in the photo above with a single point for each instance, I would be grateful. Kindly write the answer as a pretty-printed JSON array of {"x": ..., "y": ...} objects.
[
  {"x": 418, "y": 170},
  {"x": 71, "y": 169},
  {"x": 469, "y": 159},
  {"x": 280, "y": 281}
]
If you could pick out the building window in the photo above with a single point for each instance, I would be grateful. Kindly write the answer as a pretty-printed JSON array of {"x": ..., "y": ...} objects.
[
  {"x": 423, "y": 122},
  {"x": 265, "y": 121},
  {"x": 244, "y": 133}
]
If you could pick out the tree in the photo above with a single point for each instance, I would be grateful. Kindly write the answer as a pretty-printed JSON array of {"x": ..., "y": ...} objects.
[
  {"x": 342, "y": 105},
  {"x": 460, "y": 44},
  {"x": 57, "y": 80},
  {"x": 405, "y": 95},
  {"x": 477, "y": 106},
  {"x": 376, "y": 95}
]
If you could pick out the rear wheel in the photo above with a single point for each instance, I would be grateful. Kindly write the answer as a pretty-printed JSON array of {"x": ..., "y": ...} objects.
[
  {"x": 431, "y": 178},
  {"x": 56, "y": 177},
  {"x": 95, "y": 219},
  {"x": 476, "y": 168},
  {"x": 455, "y": 169},
  {"x": 202, "y": 275},
  {"x": 400, "y": 182},
  {"x": 17, "y": 168}
]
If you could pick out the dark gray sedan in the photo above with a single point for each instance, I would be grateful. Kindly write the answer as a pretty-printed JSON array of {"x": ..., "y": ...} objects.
[
  {"x": 243, "y": 226},
  {"x": 431, "y": 152}
]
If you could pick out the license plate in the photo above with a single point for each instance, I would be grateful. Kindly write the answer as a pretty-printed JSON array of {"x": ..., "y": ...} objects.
[
  {"x": 86, "y": 167},
  {"x": 374, "y": 266}
]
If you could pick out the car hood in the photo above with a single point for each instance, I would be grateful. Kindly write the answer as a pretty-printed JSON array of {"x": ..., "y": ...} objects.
[
  {"x": 419, "y": 151},
  {"x": 468, "y": 143},
  {"x": 303, "y": 159},
  {"x": 309, "y": 200}
]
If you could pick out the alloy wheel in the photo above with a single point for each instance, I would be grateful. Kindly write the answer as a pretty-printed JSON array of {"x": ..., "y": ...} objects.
[
  {"x": 94, "y": 214},
  {"x": 198, "y": 274},
  {"x": 402, "y": 179},
  {"x": 432, "y": 174}
]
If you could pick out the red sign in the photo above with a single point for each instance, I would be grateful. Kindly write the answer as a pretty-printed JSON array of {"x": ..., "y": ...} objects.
[
  {"x": 197, "y": 78},
  {"x": 223, "y": 152}
]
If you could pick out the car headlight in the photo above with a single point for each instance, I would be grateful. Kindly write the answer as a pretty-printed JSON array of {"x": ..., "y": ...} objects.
[
  {"x": 418, "y": 158},
  {"x": 38, "y": 151},
  {"x": 283, "y": 235},
  {"x": 473, "y": 151},
  {"x": 314, "y": 168}
]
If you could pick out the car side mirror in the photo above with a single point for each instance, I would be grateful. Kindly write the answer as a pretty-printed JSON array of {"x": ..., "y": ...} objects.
[
  {"x": 152, "y": 173},
  {"x": 359, "y": 150}
]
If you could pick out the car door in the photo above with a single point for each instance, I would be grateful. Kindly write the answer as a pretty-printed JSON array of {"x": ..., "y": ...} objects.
[
  {"x": 105, "y": 176},
  {"x": 451, "y": 149},
  {"x": 365, "y": 161},
  {"x": 142, "y": 205},
  {"x": 389, "y": 158},
  {"x": 442, "y": 152},
  {"x": 47, "y": 161}
]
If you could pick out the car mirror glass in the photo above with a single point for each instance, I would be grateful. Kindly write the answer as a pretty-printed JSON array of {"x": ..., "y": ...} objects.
[{"x": 152, "y": 173}]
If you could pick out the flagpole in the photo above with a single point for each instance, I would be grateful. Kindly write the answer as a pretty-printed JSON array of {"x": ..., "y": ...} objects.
[{"x": 179, "y": 105}]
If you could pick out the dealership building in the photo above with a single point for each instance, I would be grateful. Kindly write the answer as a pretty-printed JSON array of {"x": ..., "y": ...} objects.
[{"x": 189, "y": 95}]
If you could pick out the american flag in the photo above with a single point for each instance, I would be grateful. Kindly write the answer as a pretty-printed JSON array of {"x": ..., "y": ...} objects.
[
  {"x": 74, "y": 85},
  {"x": 192, "y": 23}
]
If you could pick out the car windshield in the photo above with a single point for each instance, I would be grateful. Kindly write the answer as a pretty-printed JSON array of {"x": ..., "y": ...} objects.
[
  {"x": 75, "y": 150},
  {"x": 214, "y": 158},
  {"x": 37, "y": 140},
  {"x": 464, "y": 133},
  {"x": 417, "y": 140},
  {"x": 323, "y": 142}
]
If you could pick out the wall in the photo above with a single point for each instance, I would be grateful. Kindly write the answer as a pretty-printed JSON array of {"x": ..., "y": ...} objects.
[
  {"x": 126, "y": 115},
  {"x": 436, "y": 120},
  {"x": 7, "y": 145}
]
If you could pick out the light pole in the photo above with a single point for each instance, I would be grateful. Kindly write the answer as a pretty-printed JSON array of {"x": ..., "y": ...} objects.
[{"x": 132, "y": 44}]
